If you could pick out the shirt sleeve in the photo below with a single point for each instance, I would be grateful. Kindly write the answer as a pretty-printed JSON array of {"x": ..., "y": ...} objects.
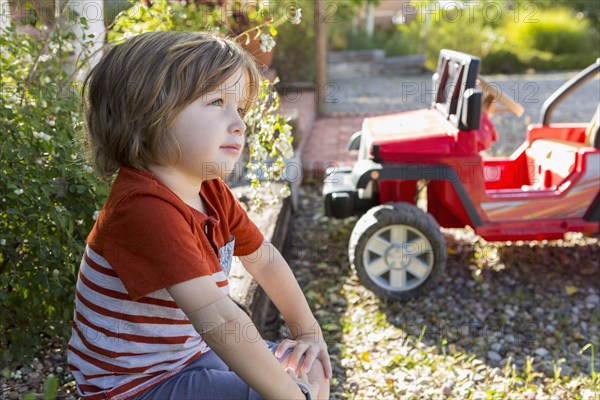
[
  {"x": 248, "y": 237},
  {"x": 153, "y": 244}
]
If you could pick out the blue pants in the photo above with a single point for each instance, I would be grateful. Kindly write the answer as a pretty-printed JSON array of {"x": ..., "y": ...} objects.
[{"x": 206, "y": 378}]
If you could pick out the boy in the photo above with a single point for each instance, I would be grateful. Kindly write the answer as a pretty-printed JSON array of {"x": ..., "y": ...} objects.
[{"x": 152, "y": 316}]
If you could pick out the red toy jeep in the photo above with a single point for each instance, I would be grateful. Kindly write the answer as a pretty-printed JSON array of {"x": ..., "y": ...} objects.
[{"x": 547, "y": 187}]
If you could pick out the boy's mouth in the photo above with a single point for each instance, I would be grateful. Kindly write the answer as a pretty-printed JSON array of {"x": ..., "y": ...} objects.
[{"x": 232, "y": 146}]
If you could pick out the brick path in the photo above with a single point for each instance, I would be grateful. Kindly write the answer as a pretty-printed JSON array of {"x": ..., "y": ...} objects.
[
  {"x": 321, "y": 142},
  {"x": 326, "y": 146}
]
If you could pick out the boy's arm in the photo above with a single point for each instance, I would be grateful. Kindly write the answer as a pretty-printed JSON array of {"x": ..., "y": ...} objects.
[
  {"x": 231, "y": 334},
  {"x": 273, "y": 274}
]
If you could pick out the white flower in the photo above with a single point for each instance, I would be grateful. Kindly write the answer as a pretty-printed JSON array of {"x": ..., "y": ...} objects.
[
  {"x": 260, "y": 154},
  {"x": 68, "y": 47},
  {"x": 285, "y": 148},
  {"x": 18, "y": 192},
  {"x": 285, "y": 135},
  {"x": 266, "y": 42},
  {"x": 96, "y": 215},
  {"x": 88, "y": 169},
  {"x": 44, "y": 58},
  {"x": 2, "y": 242},
  {"x": 295, "y": 16},
  {"x": 42, "y": 135},
  {"x": 60, "y": 209},
  {"x": 276, "y": 171},
  {"x": 285, "y": 191},
  {"x": 51, "y": 120}
]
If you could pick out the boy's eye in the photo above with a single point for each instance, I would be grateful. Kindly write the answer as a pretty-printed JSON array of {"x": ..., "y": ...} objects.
[
  {"x": 218, "y": 102},
  {"x": 240, "y": 111}
]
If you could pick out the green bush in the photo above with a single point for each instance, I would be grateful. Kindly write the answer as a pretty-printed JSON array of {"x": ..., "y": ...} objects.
[
  {"x": 394, "y": 42},
  {"x": 502, "y": 61},
  {"x": 556, "y": 40},
  {"x": 543, "y": 38},
  {"x": 294, "y": 57},
  {"x": 473, "y": 37},
  {"x": 49, "y": 196},
  {"x": 558, "y": 31},
  {"x": 553, "y": 62}
]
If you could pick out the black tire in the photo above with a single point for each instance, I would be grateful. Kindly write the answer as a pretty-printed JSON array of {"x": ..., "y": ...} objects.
[{"x": 423, "y": 250}]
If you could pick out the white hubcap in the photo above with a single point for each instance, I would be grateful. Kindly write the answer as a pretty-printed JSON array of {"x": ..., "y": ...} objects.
[{"x": 398, "y": 258}]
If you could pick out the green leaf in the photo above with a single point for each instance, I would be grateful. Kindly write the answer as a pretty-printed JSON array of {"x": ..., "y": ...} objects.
[{"x": 51, "y": 387}]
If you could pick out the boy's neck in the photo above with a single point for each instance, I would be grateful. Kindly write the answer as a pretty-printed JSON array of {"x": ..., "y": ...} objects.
[{"x": 184, "y": 186}]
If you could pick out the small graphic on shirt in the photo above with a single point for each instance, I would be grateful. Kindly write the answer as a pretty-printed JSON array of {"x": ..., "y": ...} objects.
[{"x": 226, "y": 256}]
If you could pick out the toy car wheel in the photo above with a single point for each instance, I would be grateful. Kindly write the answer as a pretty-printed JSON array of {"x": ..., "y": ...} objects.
[{"x": 397, "y": 251}]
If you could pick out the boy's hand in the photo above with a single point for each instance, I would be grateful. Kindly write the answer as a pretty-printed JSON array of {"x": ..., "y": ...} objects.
[
  {"x": 302, "y": 377},
  {"x": 311, "y": 347}
]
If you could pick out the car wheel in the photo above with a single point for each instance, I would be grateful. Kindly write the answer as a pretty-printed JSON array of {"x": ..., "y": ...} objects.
[{"x": 397, "y": 251}]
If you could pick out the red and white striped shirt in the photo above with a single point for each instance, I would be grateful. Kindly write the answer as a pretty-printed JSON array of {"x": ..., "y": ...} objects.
[{"x": 128, "y": 333}]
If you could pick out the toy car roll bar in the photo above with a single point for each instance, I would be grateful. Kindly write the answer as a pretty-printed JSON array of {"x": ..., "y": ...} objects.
[{"x": 566, "y": 89}]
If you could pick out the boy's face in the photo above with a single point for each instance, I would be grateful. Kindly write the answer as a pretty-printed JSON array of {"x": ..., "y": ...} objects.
[{"x": 210, "y": 131}]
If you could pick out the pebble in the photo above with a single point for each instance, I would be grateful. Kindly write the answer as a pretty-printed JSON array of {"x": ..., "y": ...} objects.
[
  {"x": 584, "y": 326},
  {"x": 510, "y": 312},
  {"x": 493, "y": 356},
  {"x": 538, "y": 311},
  {"x": 479, "y": 395},
  {"x": 497, "y": 347},
  {"x": 447, "y": 391},
  {"x": 35, "y": 377},
  {"x": 478, "y": 378},
  {"x": 542, "y": 352},
  {"x": 592, "y": 301}
]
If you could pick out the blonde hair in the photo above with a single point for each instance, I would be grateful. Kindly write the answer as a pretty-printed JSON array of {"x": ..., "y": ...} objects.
[{"x": 136, "y": 90}]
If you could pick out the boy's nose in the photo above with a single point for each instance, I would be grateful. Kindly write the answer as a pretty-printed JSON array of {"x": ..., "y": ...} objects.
[{"x": 238, "y": 127}]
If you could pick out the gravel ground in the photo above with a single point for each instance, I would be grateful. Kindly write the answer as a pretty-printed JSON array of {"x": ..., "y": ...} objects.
[
  {"x": 506, "y": 321},
  {"x": 380, "y": 95}
]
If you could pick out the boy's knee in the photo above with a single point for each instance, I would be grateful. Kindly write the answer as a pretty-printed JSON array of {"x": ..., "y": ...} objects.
[
  {"x": 317, "y": 375},
  {"x": 317, "y": 372}
]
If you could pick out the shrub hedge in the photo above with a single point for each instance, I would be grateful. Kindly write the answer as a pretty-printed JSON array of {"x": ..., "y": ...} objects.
[{"x": 49, "y": 195}]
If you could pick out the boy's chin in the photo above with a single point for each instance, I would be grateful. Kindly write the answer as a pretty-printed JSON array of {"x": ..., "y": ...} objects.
[{"x": 225, "y": 170}]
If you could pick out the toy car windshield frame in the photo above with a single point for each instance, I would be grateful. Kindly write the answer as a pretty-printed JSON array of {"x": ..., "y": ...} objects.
[{"x": 455, "y": 94}]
